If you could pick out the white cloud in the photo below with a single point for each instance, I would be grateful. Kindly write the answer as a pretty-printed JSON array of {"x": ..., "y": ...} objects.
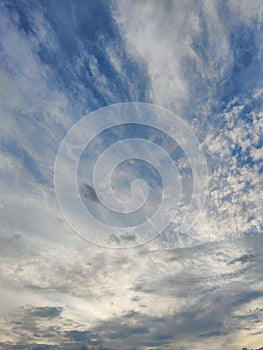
[
  {"x": 190, "y": 56},
  {"x": 186, "y": 47}
]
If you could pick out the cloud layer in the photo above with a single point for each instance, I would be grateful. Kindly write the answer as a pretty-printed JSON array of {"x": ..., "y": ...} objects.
[{"x": 203, "y": 61}]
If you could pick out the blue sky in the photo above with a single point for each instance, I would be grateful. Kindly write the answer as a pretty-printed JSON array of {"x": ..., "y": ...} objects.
[{"x": 201, "y": 60}]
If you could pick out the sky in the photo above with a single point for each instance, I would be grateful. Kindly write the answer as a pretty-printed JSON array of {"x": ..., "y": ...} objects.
[{"x": 170, "y": 93}]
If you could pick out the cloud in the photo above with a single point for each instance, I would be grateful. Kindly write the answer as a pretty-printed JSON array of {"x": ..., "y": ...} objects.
[
  {"x": 88, "y": 192},
  {"x": 202, "y": 60},
  {"x": 143, "y": 296},
  {"x": 204, "y": 68},
  {"x": 44, "y": 311}
]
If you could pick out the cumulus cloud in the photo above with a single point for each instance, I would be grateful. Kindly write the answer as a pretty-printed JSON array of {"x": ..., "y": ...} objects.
[{"x": 202, "y": 67}]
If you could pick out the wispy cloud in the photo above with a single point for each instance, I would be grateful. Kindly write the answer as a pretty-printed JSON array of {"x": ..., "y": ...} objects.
[{"x": 202, "y": 60}]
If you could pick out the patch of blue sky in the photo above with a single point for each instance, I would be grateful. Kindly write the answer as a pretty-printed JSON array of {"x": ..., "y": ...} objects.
[
  {"x": 137, "y": 168},
  {"x": 83, "y": 30},
  {"x": 30, "y": 164},
  {"x": 76, "y": 51},
  {"x": 122, "y": 132},
  {"x": 221, "y": 81},
  {"x": 20, "y": 9}
]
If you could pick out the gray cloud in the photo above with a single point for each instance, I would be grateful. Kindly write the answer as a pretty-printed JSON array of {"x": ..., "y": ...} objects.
[
  {"x": 88, "y": 192},
  {"x": 44, "y": 311},
  {"x": 247, "y": 258}
]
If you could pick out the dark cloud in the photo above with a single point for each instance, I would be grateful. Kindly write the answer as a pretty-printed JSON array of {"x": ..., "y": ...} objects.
[
  {"x": 208, "y": 319},
  {"x": 35, "y": 346},
  {"x": 246, "y": 258},
  {"x": 44, "y": 311},
  {"x": 84, "y": 336},
  {"x": 128, "y": 237},
  {"x": 212, "y": 306},
  {"x": 88, "y": 192},
  {"x": 32, "y": 346}
]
